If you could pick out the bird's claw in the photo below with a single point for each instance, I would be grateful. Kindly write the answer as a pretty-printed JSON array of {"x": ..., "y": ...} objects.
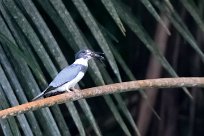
[
  {"x": 68, "y": 90},
  {"x": 74, "y": 90}
]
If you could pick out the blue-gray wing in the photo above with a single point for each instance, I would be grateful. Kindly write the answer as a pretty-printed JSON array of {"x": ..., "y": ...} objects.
[{"x": 67, "y": 74}]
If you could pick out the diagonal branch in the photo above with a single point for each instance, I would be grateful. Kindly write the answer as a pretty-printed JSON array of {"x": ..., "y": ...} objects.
[{"x": 103, "y": 90}]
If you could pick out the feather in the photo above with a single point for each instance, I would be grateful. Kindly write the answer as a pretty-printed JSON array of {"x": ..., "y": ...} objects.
[{"x": 67, "y": 74}]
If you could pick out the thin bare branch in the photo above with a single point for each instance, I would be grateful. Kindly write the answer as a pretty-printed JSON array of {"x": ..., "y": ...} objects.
[{"x": 103, "y": 90}]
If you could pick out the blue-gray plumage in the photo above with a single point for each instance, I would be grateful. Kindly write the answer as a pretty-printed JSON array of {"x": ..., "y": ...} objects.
[
  {"x": 70, "y": 75},
  {"x": 67, "y": 74}
]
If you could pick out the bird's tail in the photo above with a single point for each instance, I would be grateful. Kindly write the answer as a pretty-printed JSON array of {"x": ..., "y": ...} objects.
[{"x": 40, "y": 95}]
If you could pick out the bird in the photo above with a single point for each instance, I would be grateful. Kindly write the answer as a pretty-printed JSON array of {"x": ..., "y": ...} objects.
[{"x": 70, "y": 75}]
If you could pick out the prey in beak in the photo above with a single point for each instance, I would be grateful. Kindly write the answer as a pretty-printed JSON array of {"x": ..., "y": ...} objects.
[{"x": 98, "y": 56}]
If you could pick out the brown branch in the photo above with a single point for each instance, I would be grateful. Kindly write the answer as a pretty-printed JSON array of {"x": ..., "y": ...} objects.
[{"x": 103, "y": 90}]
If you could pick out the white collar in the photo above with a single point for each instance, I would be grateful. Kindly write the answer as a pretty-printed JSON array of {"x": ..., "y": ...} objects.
[{"x": 81, "y": 61}]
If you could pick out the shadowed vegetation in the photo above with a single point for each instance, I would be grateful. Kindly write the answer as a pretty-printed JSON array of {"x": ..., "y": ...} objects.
[{"x": 141, "y": 40}]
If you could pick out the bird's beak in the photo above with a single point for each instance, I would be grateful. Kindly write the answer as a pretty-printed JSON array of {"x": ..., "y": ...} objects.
[{"x": 98, "y": 56}]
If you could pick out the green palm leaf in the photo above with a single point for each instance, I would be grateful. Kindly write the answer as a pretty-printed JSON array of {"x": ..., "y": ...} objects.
[{"x": 38, "y": 38}]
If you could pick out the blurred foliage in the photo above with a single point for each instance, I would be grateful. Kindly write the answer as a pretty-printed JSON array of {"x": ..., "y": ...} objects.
[{"x": 141, "y": 39}]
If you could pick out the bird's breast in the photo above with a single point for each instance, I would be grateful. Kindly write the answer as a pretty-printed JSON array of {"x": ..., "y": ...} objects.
[
  {"x": 77, "y": 79},
  {"x": 71, "y": 83}
]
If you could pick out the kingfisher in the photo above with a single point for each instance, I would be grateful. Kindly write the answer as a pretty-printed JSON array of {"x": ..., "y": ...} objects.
[{"x": 71, "y": 75}]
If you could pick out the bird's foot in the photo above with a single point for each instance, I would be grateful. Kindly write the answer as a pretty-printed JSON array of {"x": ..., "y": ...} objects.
[
  {"x": 74, "y": 90},
  {"x": 68, "y": 90}
]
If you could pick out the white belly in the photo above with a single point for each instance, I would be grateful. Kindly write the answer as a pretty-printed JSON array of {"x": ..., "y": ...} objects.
[{"x": 71, "y": 84}]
